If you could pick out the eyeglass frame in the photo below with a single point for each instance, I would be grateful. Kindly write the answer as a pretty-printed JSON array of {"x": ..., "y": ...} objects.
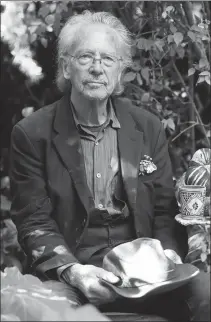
[{"x": 94, "y": 59}]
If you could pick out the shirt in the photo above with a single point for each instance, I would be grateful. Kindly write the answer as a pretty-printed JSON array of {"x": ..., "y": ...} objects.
[{"x": 100, "y": 151}]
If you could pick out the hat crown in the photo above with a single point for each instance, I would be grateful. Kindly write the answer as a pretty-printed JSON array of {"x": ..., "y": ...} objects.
[{"x": 141, "y": 261}]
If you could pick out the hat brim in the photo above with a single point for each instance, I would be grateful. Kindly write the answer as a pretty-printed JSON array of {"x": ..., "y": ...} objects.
[{"x": 184, "y": 273}]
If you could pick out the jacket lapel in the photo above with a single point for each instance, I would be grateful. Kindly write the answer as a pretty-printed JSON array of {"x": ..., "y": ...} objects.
[
  {"x": 130, "y": 142},
  {"x": 68, "y": 145}
]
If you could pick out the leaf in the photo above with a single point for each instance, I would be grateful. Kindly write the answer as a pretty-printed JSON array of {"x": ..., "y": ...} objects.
[
  {"x": 41, "y": 29},
  {"x": 52, "y": 7},
  {"x": 206, "y": 38},
  {"x": 160, "y": 44},
  {"x": 145, "y": 73},
  {"x": 207, "y": 80},
  {"x": 49, "y": 19},
  {"x": 203, "y": 257},
  {"x": 169, "y": 9},
  {"x": 26, "y": 111},
  {"x": 49, "y": 28},
  {"x": 172, "y": 51},
  {"x": 173, "y": 28},
  {"x": 5, "y": 183},
  {"x": 203, "y": 62},
  {"x": 191, "y": 35},
  {"x": 201, "y": 79},
  {"x": 63, "y": 6},
  {"x": 33, "y": 38},
  {"x": 31, "y": 7},
  {"x": 165, "y": 123},
  {"x": 180, "y": 51},
  {"x": 44, "y": 11},
  {"x": 191, "y": 71},
  {"x": 178, "y": 37},
  {"x": 145, "y": 97},
  {"x": 170, "y": 39},
  {"x": 164, "y": 14},
  {"x": 205, "y": 73},
  {"x": 32, "y": 29},
  {"x": 171, "y": 124},
  {"x": 139, "y": 79},
  {"x": 140, "y": 43},
  {"x": 129, "y": 77},
  {"x": 5, "y": 203},
  {"x": 157, "y": 87},
  {"x": 197, "y": 29},
  {"x": 133, "y": 50},
  {"x": 145, "y": 44},
  {"x": 159, "y": 107},
  {"x": 44, "y": 42},
  {"x": 136, "y": 66}
]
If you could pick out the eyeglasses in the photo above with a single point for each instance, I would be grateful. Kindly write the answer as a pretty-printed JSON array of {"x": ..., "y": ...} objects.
[{"x": 87, "y": 59}]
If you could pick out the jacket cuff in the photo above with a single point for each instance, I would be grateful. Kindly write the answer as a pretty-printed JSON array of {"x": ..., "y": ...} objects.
[{"x": 61, "y": 269}]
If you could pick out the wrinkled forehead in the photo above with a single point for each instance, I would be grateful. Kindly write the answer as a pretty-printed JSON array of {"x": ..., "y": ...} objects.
[{"x": 97, "y": 37}]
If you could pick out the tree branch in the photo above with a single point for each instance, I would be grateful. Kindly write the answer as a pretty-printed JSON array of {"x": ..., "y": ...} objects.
[
  {"x": 187, "y": 7},
  {"x": 191, "y": 93},
  {"x": 183, "y": 131},
  {"x": 191, "y": 101}
]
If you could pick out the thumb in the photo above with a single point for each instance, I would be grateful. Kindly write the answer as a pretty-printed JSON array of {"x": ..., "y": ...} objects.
[{"x": 110, "y": 277}]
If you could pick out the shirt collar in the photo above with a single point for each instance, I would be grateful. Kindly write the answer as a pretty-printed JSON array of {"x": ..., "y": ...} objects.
[{"x": 112, "y": 118}]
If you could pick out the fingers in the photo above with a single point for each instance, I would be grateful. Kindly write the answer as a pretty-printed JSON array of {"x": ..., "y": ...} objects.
[
  {"x": 108, "y": 276},
  {"x": 100, "y": 294},
  {"x": 88, "y": 280}
]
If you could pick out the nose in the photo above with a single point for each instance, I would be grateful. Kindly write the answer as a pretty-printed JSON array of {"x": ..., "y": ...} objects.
[{"x": 96, "y": 68}]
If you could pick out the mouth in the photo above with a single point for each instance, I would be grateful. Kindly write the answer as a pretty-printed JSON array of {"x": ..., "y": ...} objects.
[{"x": 95, "y": 84}]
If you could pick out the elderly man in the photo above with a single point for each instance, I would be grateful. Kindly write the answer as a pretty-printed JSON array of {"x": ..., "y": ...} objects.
[{"x": 75, "y": 175}]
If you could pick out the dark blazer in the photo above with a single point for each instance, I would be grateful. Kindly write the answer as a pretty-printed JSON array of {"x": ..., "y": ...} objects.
[{"x": 51, "y": 200}]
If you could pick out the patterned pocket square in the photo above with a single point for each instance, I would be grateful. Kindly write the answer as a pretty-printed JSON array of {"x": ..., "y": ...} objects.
[{"x": 146, "y": 166}]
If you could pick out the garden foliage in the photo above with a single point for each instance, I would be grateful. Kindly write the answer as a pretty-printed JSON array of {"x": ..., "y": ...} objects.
[{"x": 170, "y": 75}]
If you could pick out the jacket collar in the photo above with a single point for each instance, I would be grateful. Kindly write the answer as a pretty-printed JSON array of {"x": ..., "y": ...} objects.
[
  {"x": 68, "y": 145},
  {"x": 130, "y": 143}
]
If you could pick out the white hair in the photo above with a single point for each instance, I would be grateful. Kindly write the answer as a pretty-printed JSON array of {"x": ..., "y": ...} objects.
[{"x": 69, "y": 35}]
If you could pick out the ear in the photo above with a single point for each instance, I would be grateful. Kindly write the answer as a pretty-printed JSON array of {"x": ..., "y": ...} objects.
[{"x": 65, "y": 62}]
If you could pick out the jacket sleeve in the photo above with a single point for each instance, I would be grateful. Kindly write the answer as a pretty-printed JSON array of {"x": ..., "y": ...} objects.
[
  {"x": 165, "y": 208},
  {"x": 31, "y": 208}
]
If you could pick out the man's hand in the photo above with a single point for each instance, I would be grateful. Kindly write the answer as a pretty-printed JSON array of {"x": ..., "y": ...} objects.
[
  {"x": 87, "y": 278},
  {"x": 170, "y": 253}
]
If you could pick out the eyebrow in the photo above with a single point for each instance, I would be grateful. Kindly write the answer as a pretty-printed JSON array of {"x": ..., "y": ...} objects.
[{"x": 93, "y": 52}]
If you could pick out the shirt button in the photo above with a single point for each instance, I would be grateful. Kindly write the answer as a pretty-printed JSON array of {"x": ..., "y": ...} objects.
[
  {"x": 100, "y": 206},
  {"x": 96, "y": 143},
  {"x": 98, "y": 175}
]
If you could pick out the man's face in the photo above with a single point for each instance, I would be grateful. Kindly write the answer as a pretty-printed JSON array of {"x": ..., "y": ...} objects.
[{"x": 95, "y": 79}]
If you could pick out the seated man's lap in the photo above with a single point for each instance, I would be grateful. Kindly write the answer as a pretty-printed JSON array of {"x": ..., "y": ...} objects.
[{"x": 182, "y": 304}]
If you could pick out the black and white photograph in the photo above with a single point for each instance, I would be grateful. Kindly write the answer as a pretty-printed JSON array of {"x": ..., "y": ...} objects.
[{"x": 105, "y": 160}]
